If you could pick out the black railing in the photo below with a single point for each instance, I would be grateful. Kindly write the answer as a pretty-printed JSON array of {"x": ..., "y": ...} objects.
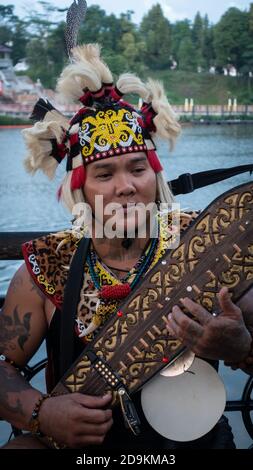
[{"x": 10, "y": 249}]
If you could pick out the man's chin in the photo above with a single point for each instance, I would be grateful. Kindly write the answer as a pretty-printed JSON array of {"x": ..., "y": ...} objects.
[{"x": 131, "y": 229}]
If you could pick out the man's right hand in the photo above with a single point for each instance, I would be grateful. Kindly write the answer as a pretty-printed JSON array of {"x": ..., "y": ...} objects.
[{"x": 76, "y": 420}]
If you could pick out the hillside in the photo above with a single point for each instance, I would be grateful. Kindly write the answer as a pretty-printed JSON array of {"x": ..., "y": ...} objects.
[{"x": 204, "y": 88}]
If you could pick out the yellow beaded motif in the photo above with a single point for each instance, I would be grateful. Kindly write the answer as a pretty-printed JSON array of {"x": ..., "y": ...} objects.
[{"x": 109, "y": 129}]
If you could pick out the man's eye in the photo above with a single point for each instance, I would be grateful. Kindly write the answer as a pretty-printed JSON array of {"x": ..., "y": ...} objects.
[
  {"x": 138, "y": 170},
  {"x": 104, "y": 175}
]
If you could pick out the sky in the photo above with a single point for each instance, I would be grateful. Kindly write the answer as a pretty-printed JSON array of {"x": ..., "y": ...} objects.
[{"x": 173, "y": 9}]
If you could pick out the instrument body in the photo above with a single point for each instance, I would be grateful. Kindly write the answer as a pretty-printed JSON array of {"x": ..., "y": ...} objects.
[{"x": 216, "y": 251}]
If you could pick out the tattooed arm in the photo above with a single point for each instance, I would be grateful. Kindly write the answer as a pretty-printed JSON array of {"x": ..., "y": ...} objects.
[
  {"x": 73, "y": 419},
  {"x": 22, "y": 329}
]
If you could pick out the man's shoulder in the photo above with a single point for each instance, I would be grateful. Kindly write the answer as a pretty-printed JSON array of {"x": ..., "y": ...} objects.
[
  {"x": 52, "y": 245},
  {"x": 48, "y": 260}
]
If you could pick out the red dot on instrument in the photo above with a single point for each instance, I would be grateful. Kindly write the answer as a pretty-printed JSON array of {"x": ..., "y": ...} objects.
[
  {"x": 165, "y": 360},
  {"x": 120, "y": 313}
]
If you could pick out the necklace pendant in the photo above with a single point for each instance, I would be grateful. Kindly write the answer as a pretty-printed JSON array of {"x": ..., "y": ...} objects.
[{"x": 117, "y": 291}]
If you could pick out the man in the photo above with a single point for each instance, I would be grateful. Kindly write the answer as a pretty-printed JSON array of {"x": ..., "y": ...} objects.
[{"x": 110, "y": 153}]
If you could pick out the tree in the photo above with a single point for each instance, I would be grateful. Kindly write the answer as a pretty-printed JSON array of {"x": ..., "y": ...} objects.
[
  {"x": 198, "y": 39},
  {"x": 94, "y": 27},
  {"x": 13, "y": 31},
  {"x": 180, "y": 30},
  {"x": 251, "y": 18},
  {"x": 187, "y": 55},
  {"x": 198, "y": 31},
  {"x": 231, "y": 37},
  {"x": 20, "y": 38},
  {"x": 6, "y": 17},
  {"x": 208, "y": 47},
  {"x": 156, "y": 32},
  {"x": 45, "y": 51},
  {"x": 130, "y": 50},
  {"x": 111, "y": 34}
]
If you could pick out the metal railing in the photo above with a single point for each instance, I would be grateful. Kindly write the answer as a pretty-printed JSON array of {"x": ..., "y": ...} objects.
[{"x": 10, "y": 249}]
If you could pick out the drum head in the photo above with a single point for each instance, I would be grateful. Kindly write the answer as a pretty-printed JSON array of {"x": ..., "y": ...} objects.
[
  {"x": 181, "y": 365},
  {"x": 185, "y": 407}
]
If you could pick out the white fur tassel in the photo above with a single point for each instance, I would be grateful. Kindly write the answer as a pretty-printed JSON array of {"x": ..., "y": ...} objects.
[
  {"x": 166, "y": 121},
  {"x": 91, "y": 54},
  {"x": 37, "y": 139},
  {"x": 129, "y": 83},
  {"x": 76, "y": 77}
]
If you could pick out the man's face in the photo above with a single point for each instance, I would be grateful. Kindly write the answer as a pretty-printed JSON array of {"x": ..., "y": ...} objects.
[{"x": 126, "y": 180}]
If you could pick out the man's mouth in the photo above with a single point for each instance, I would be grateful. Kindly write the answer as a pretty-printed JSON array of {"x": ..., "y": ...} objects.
[{"x": 130, "y": 206}]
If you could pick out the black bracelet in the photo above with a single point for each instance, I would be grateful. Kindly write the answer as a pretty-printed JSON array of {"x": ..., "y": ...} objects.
[
  {"x": 4, "y": 358},
  {"x": 34, "y": 421}
]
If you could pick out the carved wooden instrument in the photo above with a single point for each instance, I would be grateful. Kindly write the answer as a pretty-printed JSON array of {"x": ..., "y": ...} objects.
[{"x": 216, "y": 251}]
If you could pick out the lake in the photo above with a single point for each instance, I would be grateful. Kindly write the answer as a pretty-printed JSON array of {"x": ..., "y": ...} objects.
[{"x": 29, "y": 203}]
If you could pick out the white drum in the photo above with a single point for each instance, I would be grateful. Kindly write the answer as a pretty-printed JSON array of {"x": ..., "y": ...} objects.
[
  {"x": 180, "y": 365},
  {"x": 185, "y": 407}
]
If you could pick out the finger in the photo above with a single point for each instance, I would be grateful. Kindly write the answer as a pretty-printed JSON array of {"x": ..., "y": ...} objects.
[
  {"x": 94, "y": 416},
  {"x": 197, "y": 310},
  {"x": 95, "y": 429},
  {"x": 227, "y": 306},
  {"x": 93, "y": 401},
  {"x": 187, "y": 325},
  {"x": 188, "y": 337},
  {"x": 173, "y": 327}
]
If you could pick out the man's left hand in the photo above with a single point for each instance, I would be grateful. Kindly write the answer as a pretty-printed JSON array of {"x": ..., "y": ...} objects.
[{"x": 223, "y": 337}]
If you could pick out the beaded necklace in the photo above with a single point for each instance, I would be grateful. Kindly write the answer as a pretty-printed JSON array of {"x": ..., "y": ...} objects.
[
  {"x": 109, "y": 290},
  {"x": 103, "y": 279}
]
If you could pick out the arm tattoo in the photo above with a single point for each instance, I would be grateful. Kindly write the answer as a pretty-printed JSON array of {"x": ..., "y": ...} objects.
[
  {"x": 37, "y": 289},
  {"x": 16, "y": 283},
  {"x": 13, "y": 328},
  {"x": 11, "y": 382}
]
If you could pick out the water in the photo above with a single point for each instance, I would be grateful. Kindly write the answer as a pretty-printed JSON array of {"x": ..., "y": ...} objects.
[{"x": 29, "y": 203}]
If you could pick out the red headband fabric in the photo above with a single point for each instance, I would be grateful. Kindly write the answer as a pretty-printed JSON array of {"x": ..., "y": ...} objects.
[
  {"x": 154, "y": 161},
  {"x": 78, "y": 178}
]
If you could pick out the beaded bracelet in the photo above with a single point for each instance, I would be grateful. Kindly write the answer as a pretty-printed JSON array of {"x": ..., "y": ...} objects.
[
  {"x": 34, "y": 421},
  {"x": 9, "y": 361}
]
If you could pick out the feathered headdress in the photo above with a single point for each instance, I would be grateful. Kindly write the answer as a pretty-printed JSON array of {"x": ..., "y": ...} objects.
[{"x": 106, "y": 125}]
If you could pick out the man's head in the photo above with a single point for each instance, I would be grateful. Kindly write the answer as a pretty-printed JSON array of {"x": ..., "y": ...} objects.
[{"x": 106, "y": 131}]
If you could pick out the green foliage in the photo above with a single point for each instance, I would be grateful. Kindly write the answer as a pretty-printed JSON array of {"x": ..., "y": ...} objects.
[
  {"x": 12, "y": 121},
  {"x": 251, "y": 18},
  {"x": 186, "y": 55},
  {"x": 232, "y": 37},
  {"x": 13, "y": 31},
  {"x": 156, "y": 33},
  {"x": 200, "y": 40},
  {"x": 149, "y": 48},
  {"x": 208, "y": 44},
  {"x": 181, "y": 31},
  {"x": 204, "y": 88},
  {"x": 198, "y": 31}
]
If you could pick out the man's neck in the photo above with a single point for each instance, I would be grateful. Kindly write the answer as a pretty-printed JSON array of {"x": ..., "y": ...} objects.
[{"x": 119, "y": 250}]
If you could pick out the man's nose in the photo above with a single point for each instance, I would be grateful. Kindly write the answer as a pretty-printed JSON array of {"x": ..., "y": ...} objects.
[{"x": 124, "y": 185}]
